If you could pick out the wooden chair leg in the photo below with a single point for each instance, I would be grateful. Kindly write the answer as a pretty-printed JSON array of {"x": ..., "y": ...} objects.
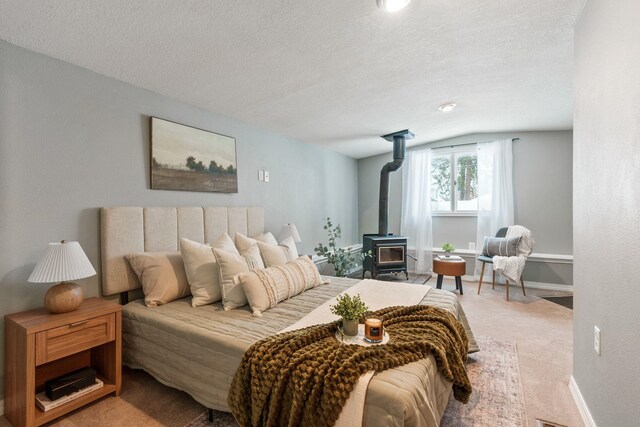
[
  {"x": 481, "y": 274},
  {"x": 522, "y": 283},
  {"x": 507, "y": 289},
  {"x": 493, "y": 280}
]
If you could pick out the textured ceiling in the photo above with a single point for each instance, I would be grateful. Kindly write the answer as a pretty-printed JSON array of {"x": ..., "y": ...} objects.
[{"x": 332, "y": 72}]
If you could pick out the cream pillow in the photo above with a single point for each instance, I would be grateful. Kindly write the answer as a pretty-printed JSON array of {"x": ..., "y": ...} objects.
[
  {"x": 280, "y": 254},
  {"x": 243, "y": 242},
  {"x": 230, "y": 265},
  {"x": 202, "y": 270},
  {"x": 291, "y": 245},
  {"x": 264, "y": 289},
  {"x": 162, "y": 276}
]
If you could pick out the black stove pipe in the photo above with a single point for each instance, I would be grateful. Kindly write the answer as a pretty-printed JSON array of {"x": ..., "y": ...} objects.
[{"x": 399, "y": 150}]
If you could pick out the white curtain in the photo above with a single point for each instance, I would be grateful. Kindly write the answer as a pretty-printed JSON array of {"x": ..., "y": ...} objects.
[
  {"x": 495, "y": 190},
  {"x": 416, "y": 207}
]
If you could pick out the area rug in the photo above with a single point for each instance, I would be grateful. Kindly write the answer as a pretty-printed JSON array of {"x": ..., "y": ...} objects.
[
  {"x": 220, "y": 419},
  {"x": 497, "y": 399}
]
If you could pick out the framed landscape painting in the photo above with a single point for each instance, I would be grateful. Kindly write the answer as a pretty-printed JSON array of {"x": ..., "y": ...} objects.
[{"x": 190, "y": 159}]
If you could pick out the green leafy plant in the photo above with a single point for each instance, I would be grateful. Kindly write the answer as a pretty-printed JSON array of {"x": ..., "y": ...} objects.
[
  {"x": 349, "y": 307},
  {"x": 448, "y": 248},
  {"x": 341, "y": 259}
]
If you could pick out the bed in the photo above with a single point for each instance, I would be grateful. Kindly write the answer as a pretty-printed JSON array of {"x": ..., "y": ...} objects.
[{"x": 197, "y": 350}]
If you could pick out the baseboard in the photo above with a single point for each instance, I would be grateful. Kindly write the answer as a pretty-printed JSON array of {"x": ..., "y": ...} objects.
[
  {"x": 326, "y": 269},
  {"x": 551, "y": 258},
  {"x": 534, "y": 257},
  {"x": 529, "y": 284},
  {"x": 357, "y": 248},
  {"x": 582, "y": 405},
  {"x": 547, "y": 286}
]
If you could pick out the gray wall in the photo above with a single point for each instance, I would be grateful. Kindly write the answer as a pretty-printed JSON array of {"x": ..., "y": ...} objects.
[
  {"x": 607, "y": 201},
  {"x": 72, "y": 141},
  {"x": 542, "y": 164}
]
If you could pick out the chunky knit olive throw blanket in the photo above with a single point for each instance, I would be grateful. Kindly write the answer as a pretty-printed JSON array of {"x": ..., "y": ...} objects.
[{"x": 304, "y": 377}]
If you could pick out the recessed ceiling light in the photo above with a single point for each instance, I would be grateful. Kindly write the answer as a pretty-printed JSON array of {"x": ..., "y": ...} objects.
[
  {"x": 392, "y": 5},
  {"x": 445, "y": 108}
]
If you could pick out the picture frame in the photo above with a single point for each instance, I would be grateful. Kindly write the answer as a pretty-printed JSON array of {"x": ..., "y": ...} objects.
[{"x": 185, "y": 158}]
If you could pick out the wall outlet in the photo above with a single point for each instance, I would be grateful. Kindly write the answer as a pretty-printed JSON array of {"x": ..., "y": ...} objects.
[
  {"x": 472, "y": 246},
  {"x": 266, "y": 176},
  {"x": 260, "y": 175},
  {"x": 596, "y": 339}
]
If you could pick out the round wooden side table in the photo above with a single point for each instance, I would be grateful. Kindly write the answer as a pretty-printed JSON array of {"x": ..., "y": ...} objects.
[{"x": 456, "y": 267}]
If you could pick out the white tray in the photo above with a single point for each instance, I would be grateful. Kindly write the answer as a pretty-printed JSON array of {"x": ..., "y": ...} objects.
[{"x": 359, "y": 339}]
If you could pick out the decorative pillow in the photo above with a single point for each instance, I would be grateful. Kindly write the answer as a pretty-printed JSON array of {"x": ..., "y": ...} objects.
[
  {"x": 500, "y": 246},
  {"x": 278, "y": 254},
  {"x": 265, "y": 288},
  {"x": 293, "y": 250},
  {"x": 162, "y": 276},
  {"x": 243, "y": 242},
  {"x": 202, "y": 269},
  {"x": 230, "y": 265}
]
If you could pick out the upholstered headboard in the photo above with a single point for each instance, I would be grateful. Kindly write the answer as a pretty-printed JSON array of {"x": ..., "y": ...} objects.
[{"x": 128, "y": 230}]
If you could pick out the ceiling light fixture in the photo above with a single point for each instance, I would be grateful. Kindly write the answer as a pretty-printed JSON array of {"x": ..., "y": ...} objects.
[
  {"x": 392, "y": 5},
  {"x": 445, "y": 108}
]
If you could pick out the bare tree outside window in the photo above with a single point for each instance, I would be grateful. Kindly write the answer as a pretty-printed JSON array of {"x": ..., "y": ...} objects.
[
  {"x": 454, "y": 181},
  {"x": 467, "y": 182},
  {"x": 441, "y": 183}
]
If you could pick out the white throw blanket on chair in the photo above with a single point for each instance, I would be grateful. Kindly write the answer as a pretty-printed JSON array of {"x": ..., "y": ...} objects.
[{"x": 512, "y": 267}]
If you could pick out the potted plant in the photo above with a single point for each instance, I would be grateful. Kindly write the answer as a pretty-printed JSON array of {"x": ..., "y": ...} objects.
[
  {"x": 341, "y": 259},
  {"x": 448, "y": 248},
  {"x": 351, "y": 309}
]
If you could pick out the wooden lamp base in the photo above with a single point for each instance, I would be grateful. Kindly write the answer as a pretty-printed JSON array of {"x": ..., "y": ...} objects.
[{"x": 63, "y": 298}]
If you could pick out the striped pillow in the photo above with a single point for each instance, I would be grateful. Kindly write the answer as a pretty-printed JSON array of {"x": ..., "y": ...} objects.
[
  {"x": 266, "y": 288},
  {"x": 500, "y": 246}
]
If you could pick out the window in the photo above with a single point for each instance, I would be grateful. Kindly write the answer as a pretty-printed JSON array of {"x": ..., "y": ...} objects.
[{"x": 454, "y": 181}]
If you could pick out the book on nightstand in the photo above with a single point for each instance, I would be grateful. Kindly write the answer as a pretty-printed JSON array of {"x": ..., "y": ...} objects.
[
  {"x": 450, "y": 258},
  {"x": 45, "y": 404}
]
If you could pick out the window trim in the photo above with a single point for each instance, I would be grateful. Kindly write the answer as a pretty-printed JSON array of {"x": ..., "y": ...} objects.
[{"x": 454, "y": 214}]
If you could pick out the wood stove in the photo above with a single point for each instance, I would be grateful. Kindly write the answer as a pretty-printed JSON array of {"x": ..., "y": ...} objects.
[{"x": 389, "y": 252}]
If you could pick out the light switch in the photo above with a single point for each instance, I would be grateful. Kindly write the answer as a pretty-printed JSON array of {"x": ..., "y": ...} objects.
[
  {"x": 266, "y": 176},
  {"x": 260, "y": 175}
]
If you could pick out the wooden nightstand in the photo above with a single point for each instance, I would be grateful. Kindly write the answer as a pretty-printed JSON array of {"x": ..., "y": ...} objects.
[{"x": 40, "y": 346}]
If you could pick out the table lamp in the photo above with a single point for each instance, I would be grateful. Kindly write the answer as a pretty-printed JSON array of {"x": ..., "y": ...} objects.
[
  {"x": 62, "y": 262},
  {"x": 289, "y": 230}
]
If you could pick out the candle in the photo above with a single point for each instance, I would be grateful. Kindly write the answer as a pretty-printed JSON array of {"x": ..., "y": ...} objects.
[{"x": 373, "y": 330}]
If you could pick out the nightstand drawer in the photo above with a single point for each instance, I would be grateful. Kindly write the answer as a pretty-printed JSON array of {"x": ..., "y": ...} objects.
[{"x": 73, "y": 338}]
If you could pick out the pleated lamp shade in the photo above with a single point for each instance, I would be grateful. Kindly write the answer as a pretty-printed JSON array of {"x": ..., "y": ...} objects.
[
  {"x": 62, "y": 262},
  {"x": 289, "y": 230}
]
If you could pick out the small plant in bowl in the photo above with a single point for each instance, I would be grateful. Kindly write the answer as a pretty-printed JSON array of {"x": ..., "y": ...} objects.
[
  {"x": 448, "y": 248},
  {"x": 351, "y": 309}
]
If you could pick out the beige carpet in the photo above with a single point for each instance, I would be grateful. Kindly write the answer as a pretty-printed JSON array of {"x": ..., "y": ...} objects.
[
  {"x": 543, "y": 332},
  {"x": 497, "y": 398}
]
